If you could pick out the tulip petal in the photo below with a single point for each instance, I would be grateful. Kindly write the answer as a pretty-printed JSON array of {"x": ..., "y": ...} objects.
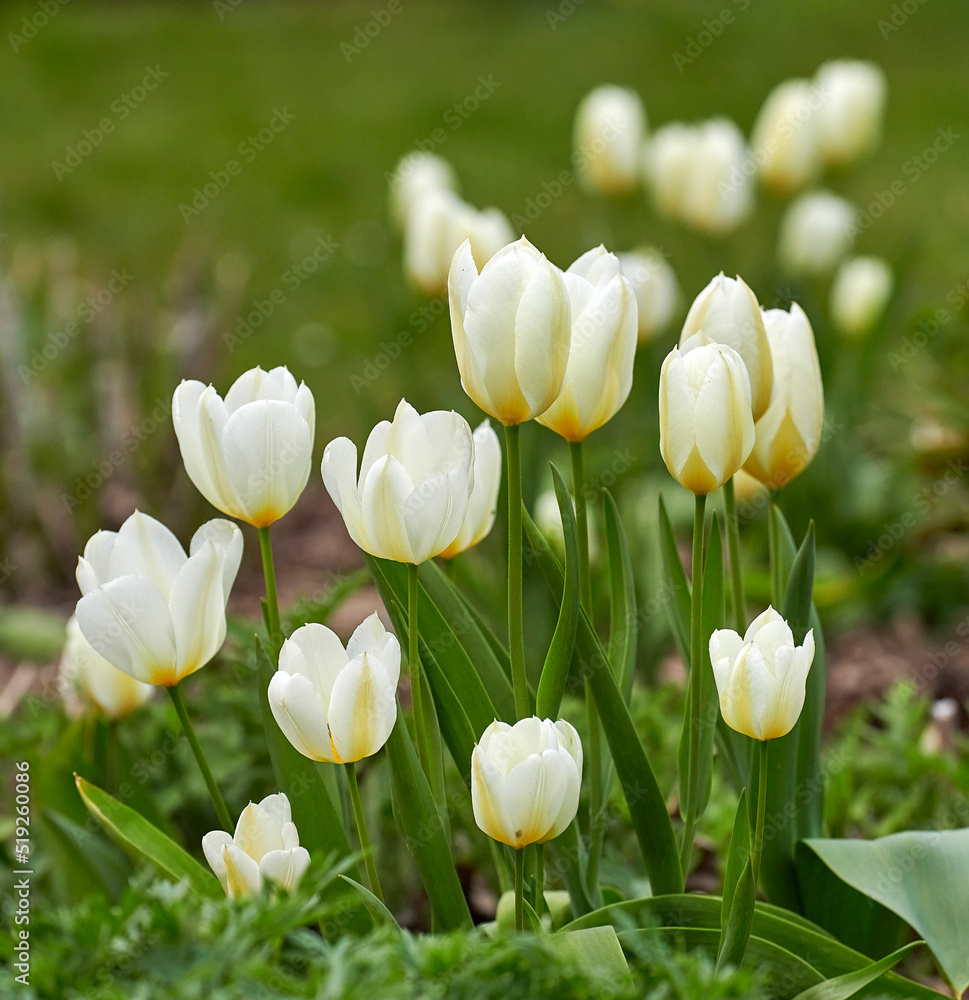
[
  {"x": 197, "y": 609},
  {"x": 199, "y": 416},
  {"x": 381, "y": 646},
  {"x": 212, "y": 845},
  {"x": 569, "y": 797},
  {"x": 94, "y": 567},
  {"x": 285, "y": 868},
  {"x": 315, "y": 652},
  {"x": 339, "y": 471},
  {"x": 534, "y": 793},
  {"x": 145, "y": 547},
  {"x": 227, "y": 539},
  {"x": 389, "y": 501},
  {"x": 298, "y": 710},
  {"x": 488, "y": 797},
  {"x": 257, "y": 832},
  {"x": 277, "y": 807},
  {"x": 242, "y": 874},
  {"x": 362, "y": 710}
]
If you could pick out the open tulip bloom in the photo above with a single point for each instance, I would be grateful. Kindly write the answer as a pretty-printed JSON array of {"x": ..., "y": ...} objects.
[
  {"x": 483, "y": 502},
  {"x": 264, "y": 847}
]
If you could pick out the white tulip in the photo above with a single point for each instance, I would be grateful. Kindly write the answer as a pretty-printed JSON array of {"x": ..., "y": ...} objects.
[
  {"x": 761, "y": 677},
  {"x": 789, "y": 432},
  {"x": 265, "y": 846},
  {"x": 525, "y": 780},
  {"x": 337, "y": 704},
  {"x": 860, "y": 293},
  {"x": 816, "y": 232},
  {"x": 655, "y": 287},
  {"x": 667, "y": 161},
  {"x": 483, "y": 502},
  {"x": 786, "y": 138},
  {"x": 607, "y": 137},
  {"x": 511, "y": 325},
  {"x": 416, "y": 174},
  {"x": 250, "y": 455},
  {"x": 599, "y": 374},
  {"x": 850, "y": 119},
  {"x": 409, "y": 501},
  {"x": 101, "y": 686},
  {"x": 706, "y": 429},
  {"x": 148, "y": 608}
]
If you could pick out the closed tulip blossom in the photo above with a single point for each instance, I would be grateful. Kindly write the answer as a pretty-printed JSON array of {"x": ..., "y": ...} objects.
[
  {"x": 414, "y": 176},
  {"x": 410, "y": 498},
  {"x": 483, "y": 502},
  {"x": 249, "y": 455},
  {"x": 850, "y": 119},
  {"x": 655, "y": 287},
  {"x": 815, "y": 233},
  {"x": 859, "y": 294},
  {"x": 264, "y": 848},
  {"x": 101, "y": 688},
  {"x": 511, "y": 325},
  {"x": 727, "y": 312},
  {"x": 761, "y": 677},
  {"x": 610, "y": 124},
  {"x": 599, "y": 374},
  {"x": 706, "y": 429},
  {"x": 335, "y": 704},
  {"x": 525, "y": 780},
  {"x": 788, "y": 435},
  {"x": 147, "y": 607},
  {"x": 786, "y": 137}
]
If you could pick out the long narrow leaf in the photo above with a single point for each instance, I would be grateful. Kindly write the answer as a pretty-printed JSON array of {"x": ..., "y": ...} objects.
[
  {"x": 843, "y": 987},
  {"x": 735, "y": 933},
  {"x": 737, "y": 855},
  {"x": 678, "y": 607},
  {"x": 623, "y": 612}
]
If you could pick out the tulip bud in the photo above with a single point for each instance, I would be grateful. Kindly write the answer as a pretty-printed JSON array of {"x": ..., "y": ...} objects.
[
  {"x": 265, "y": 846},
  {"x": 815, "y": 233},
  {"x": 785, "y": 139},
  {"x": 860, "y": 293},
  {"x": 607, "y": 138},
  {"x": 411, "y": 496},
  {"x": 761, "y": 677},
  {"x": 337, "y": 704},
  {"x": 706, "y": 429},
  {"x": 727, "y": 312},
  {"x": 525, "y": 780},
  {"x": 101, "y": 687},
  {"x": 599, "y": 374},
  {"x": 415, "y": 175},
  {"x": 511, "y": 326},
  {"x": 850, "y": 119},
  {"x": 149, "y": 609},
  {"x": 483, "y": 502},
  {"x": 250, "y": 455},
  {"x": 789, "y": 432},
  {"x": 548, "y": 520},
  {"x": 667, "y": 160},
  {"x": 654, "y": 285}
]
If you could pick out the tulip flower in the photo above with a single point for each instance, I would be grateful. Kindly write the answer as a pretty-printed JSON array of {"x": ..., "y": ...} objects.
[
  {"x": 654, "y": 285},
  {"x": 850, "y": 119},
  {"x": 815, "y": 233},
  {"x": 727, "y": 312},
  {"x": 787, "y": 436},
  {"x": 599, "y": 374},
  {"x": 147, "y": 607},
  {"x": 860, "y": 292},
  {"x": 525, "y": 780},
  {"x": 511, "y": 326},
  {"x": 483, "y": 502},
  {"x": 409, "y": 501},
  {"x": 607, "y": 139},
  {"x": 761, "y": 677},
  {"x": 101, "y": 686},
  {"x": 335, "y": 704},
  {"x": 415, "y": 175},
  {"x": 785, "y": 139},
  {"x": 706, "y": 429},
  {"x": 250, "y": 454},
  {"x": 265, "y": 847},
  {"x": 437, "y": 224}
]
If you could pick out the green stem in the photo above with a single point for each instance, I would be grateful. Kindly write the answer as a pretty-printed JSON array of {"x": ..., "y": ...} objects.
[
  {"x": 520, "y": 890},
  {"x": 581, "y": 522},
  {"x": 540, "y": 879},
  {"x": 736, "y": 568},
  {"x": 761, "y": 812},
  {"x": 272, "y": 598},
  {"x": 516, "y": 630},
  {"x": 414, "y": 665},
  {"x": 361, "y": 821},
  {"x": 221, "y": 809}
]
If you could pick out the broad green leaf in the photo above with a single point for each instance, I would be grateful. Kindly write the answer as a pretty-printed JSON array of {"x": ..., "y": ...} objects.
[
  {"x": 647, "y": 807},
  {"x": 623, "y": 611},
  {"x": 678, "y": 607},
  {"x": 737, "y": 855},
  {"x": 138, "y": 836},
  {"x": 422, "y": 828},
  {"x": 843, "y": 987},
  {"x": 555, "y": 672},
  {"x": 377, "y": 908},
  {"x": 735, "y": 933},
  {"x": 782, "y": 549},
  {"x": 920, "y": 875},
  {"x": 81, "y": 864},
  {"x": 598, "y": 951}
]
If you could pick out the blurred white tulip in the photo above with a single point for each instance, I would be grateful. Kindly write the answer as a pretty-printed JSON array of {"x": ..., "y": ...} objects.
[
  {"x": 786, "y": 137},
  {"x": 607, "y": 137},
  {"x": 850, "y": 119},
  {"x": 414, "y": 175},
  {"x": 655, "y": 287},
  {"x": 860, "y": 292},
  {"x": 815, "y": 233}
]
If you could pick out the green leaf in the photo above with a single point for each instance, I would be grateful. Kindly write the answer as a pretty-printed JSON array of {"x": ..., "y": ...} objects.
[
  {"x": 623, "y": 611},
  {"x": 678, "y": 607},
  {"x": 843, "y": 987},
  {"x": 921, "y": 876},
  {"x": 796, "y": 606},
  {"x": 735, "y": 933},
  {"x": 377, "y": 907},
  {"x": 555, "y": 672},
  {"x": 737, "y": 855},
  {"x": 138, "y": 836},
  {"x": 422, "y": 828},
  {"x": 782, "y": 549},
  {"x": 599, "y": 953},
  {"x": 647, "y": 807},
  {"x": 81, "y": 864}
]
